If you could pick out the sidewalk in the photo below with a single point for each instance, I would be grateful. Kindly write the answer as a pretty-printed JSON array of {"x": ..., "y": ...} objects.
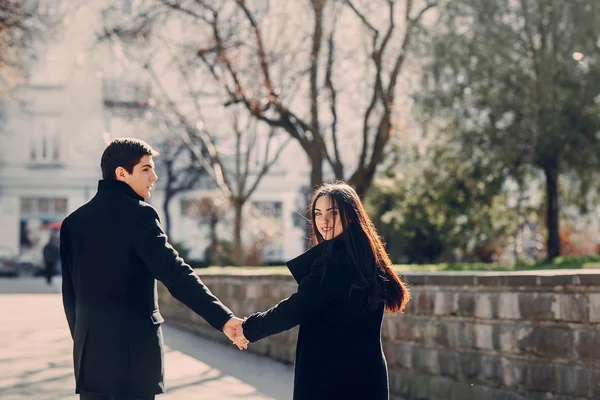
[{"x": 35, "y": 355}]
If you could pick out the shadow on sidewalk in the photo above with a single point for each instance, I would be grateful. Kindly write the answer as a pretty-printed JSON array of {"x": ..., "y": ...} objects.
[{"x": 268, "y": 379}]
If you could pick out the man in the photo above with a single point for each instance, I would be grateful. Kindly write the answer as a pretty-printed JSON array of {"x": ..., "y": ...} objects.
[
  {"x": 51, "y": 256},
  {"x": 113, "y": 249}
]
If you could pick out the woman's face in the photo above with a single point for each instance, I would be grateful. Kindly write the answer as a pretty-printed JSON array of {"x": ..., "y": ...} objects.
[{"x": 327, "y": 218}]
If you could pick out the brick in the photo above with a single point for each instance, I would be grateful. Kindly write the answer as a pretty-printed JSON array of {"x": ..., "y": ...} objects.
[
  {"x": 424, "y": 302},
  {"x": 420, "y": 388},
  {"x": 594, "y": 302},
  {"x": 587, "y": 280},
  {"x": 546, "y": 341},
  {"x": 404, "y": 328},
  {"x": 445, "y": 303},
  {"x": 507, "y": 339},
  {"x": 574, "y": 380},
  {"x": 587, "y": 343},
  {"x": 490, "y": 369},
  {"x": 466, "y": 304},
  {"x": 514, "y": 373},
  {"x": 465, "y": 334},
  {"x": 425, "y": 360},
  {"x": 573, "y": 307},
  {"x": 388, "y": 328},
  {"x": 537, "y": 306},
  {"x": 254, "y": 291},
  {"x": 484, "y": 308},
  {"x": 404, "y": 355},
  {"x": 484, "y": 337},
  {"x": 595, "y": 384},
  {"x": 389, "y": 350},
  {"x": 469, "y": 365},
  {"x": 400, "y": 382},
  {"x": 542, "y": 378},
  {"x": 508, "y": 306},
  {"x": 432, "y": 361},
  {"x": 419, "y": 359},
  {"x": 448, "y": 360}
]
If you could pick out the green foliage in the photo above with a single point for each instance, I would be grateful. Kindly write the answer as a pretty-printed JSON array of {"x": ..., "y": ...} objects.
[
  {"x": 438, "y": 205},
  {"x": 517, "y": 85}
]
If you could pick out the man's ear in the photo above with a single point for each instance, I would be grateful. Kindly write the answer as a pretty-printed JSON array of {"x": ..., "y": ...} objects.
[{"x": 120, "y": 174}]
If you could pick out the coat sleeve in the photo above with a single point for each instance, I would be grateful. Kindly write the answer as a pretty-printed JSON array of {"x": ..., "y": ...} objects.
[
  {"x": 314, "y": 294},
  {"x": 68, "y": 290},
  {"x": 164, "y": 263}
]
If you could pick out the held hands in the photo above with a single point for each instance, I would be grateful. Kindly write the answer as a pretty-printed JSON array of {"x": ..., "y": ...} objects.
[{"x": 233, "y": 330}]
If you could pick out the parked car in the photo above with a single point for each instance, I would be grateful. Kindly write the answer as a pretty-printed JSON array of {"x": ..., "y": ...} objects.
[
  {"x": 30, "y": 263},
  {"x": 8, "y": 262}
]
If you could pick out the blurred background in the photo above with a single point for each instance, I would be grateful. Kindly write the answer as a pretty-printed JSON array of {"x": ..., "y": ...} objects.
[{"x": 471, "y": 128}]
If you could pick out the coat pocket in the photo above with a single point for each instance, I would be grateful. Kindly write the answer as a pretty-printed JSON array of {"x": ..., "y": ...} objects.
[{"x": 157, "y": 318}]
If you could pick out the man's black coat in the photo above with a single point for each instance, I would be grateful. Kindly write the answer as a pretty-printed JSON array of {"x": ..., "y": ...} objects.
[
  {"x": 338, "y": 353},
  {"x": 113, "y": 249}
]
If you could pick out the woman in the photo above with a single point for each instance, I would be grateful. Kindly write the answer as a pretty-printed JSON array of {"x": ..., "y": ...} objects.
[{"x": 345, "y": 284}]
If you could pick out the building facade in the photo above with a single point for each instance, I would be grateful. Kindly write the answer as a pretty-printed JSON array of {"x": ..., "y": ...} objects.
[{"x": 56, "y": 124}]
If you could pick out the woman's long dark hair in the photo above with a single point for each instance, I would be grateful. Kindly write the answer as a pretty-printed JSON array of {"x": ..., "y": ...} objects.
[{"x": 364, "y": 247}]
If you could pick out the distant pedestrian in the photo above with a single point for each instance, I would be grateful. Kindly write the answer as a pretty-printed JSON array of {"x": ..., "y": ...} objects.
[
  {"x": 346, "y": 282},
  {"x": 51, "y": 253}
]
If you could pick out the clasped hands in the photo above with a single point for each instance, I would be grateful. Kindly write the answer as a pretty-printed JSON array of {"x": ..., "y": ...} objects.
[{"x": 233, "y": 330}]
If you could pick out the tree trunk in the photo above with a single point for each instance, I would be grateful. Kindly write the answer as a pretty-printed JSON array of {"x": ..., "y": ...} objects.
[
  {"x": 316, "y": 179},
  {"x": 166, "y": 202},
  {"x": 238, "y": 250},
  {"x": 553, "y": 241},
  {"x": 361, "y": 181},
  {"x": 214, "y": 241}
]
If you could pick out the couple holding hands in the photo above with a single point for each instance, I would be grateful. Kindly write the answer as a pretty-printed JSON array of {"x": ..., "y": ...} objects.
[{"x": 113, "y": 250}]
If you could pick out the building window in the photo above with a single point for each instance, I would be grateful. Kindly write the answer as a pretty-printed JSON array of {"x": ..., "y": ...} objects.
[
  {"x": 48, "y": 8},
  {"x": 269, "y": 209},
  {"x": 44, "y": 207},
  {"x": 270, "y": 214},
  {"x": 44, "y": 146},
  {"x": 129, "y": 7}
]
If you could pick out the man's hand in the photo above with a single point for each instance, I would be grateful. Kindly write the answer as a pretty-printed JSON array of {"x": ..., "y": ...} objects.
[{"x": 233, "y": 330}]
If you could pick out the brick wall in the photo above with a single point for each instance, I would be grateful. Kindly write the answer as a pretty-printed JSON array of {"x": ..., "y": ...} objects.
[{"x": 509, "y": 336}]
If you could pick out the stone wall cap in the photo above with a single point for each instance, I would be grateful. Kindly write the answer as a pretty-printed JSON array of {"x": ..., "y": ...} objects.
[
  {"x": 549, "y": 278},
  {"x": 554, "y": 277}
]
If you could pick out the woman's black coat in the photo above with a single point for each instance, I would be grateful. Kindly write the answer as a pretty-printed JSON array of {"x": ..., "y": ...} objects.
[
  {"x": 112, "y": 249},
  {"x": 339, "y": 353}
]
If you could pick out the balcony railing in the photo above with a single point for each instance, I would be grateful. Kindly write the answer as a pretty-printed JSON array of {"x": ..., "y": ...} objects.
[
  {"x": 126, "y": 26},
  {"x": 125, "y": 94}
]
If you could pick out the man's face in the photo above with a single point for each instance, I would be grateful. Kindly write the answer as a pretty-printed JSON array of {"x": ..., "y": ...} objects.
[{"x": 142, "y": 178}]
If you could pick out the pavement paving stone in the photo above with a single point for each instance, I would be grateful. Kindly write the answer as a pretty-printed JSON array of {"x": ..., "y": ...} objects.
[{"x": 36, "y": 363}]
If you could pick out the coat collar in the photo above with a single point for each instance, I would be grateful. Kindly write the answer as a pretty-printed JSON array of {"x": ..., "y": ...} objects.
[
  {"x": 113, "y": 185},
  {"x": 299, "y": 266}
]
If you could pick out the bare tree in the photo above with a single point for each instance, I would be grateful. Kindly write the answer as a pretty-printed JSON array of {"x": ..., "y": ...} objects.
[
  {"x": 236, "y": 173},
  {"x": 21, "y": 22},
  {"x": 182, "y": 171},
  {"x": 326, "y": 72},
  {"x": 212, "y": 210}
]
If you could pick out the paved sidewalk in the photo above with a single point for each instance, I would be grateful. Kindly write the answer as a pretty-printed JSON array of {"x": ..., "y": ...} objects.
[{"x": 35, "y": 355}]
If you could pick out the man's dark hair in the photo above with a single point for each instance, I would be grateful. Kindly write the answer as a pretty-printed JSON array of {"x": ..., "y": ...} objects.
[{"x": 126, "y": 153}]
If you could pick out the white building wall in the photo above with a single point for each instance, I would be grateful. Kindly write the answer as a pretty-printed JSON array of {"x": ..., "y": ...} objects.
[{"x": 63, "y": 99}]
